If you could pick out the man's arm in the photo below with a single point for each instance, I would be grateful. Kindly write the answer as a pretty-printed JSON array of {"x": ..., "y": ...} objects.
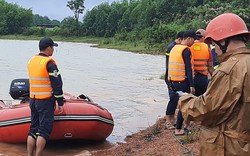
[
  {"x": 169, "y": 48},
  {"x": 215, "y": 106},
  {"x": 188, "y": 68},
  {"x": 56, "y": 82}
]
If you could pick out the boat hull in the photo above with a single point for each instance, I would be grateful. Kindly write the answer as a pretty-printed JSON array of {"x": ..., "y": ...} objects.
[{"x": 81, "y": 120}]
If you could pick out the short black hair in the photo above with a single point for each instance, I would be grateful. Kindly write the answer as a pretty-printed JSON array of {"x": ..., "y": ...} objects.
[
  {"x": 180, "y": 34},
  {"x": 189, "y": 33}
]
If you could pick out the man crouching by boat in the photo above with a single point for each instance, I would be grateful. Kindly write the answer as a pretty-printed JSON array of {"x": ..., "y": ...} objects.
[
  {"x": 45, "y": 88},
  {"x": 223, "y": 110}
]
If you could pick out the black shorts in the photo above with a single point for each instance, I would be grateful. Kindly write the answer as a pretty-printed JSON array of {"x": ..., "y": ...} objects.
[{"x": 42, "y": 117}]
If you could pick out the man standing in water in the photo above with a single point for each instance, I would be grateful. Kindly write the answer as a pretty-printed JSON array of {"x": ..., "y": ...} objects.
[
  {"x": 45, "y": 89},
  {"x": 223, "y": 110}
]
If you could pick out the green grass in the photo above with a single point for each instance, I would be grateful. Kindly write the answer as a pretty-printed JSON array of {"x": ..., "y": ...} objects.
[
  {"x": 162, "y": 76},
  {"x": 138, "y": 47},
  {"x": 56, "y": 38},
  {"x": 19, "y": 37},
  {"x": 109, "y": 43}
]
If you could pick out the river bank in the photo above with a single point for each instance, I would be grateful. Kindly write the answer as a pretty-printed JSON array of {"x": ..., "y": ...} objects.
[
  {"x": 155, "y": 141},
  {"x": 108, "y": 43}
]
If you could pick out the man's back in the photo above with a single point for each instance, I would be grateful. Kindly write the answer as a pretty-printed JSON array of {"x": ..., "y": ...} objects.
[{"x": 200, "y": 57}]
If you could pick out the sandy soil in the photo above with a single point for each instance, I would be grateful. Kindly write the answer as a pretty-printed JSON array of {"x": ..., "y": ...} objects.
[{"x": 155, "y": 141}]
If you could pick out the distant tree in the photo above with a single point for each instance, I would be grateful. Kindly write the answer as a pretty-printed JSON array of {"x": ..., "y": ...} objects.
[
  {"x": 89, "y": 21},
  {"x": 37, "y": 19},
  {"x": 55, "y": 22},
  {"x": 199, "y": 2},
  {"x": 77, "y": 6},
  {"x": 114, "y": 17},
  {"x": 69, "y": 27},
  {"x": 3, "y": 21},
  {"x": 14, "y": 19},
  {"x": 101, "y": 22},
  {"x": 44, "y": 20}
]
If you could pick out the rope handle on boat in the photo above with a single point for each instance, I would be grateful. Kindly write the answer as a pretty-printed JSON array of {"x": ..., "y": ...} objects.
[
  {"x": 81, "y": 100},
  {"x": 68, "y": 135}
]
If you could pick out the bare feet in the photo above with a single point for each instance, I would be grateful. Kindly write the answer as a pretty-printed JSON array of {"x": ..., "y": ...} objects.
[{"x": 179, "y": 132}]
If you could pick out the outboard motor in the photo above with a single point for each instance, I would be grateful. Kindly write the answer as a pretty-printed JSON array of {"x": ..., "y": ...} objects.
[{"x": 19, "y": 89}]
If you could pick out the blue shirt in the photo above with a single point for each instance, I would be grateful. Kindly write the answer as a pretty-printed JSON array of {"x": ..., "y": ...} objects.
[
  {"x": 188, "y": 67},
  {"x": 214, "y": 55},
  {"x": 170, "y": 46}
]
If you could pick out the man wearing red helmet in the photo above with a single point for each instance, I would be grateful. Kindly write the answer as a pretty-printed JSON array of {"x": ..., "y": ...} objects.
[{"x": 223, "y": 111}]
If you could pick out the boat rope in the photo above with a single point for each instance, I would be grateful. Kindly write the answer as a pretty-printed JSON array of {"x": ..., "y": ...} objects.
[{"x": 189, "y": 151}]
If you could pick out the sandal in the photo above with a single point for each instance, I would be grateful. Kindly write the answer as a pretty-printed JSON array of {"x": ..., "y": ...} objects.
[
  {"x": 187, "y": 131},
  {"x": 169, "y": 126},
  {"x": 181, "y": 134}
]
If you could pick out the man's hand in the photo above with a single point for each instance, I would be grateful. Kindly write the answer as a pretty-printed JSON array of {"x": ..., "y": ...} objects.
[
  {"x": 185, "y": 94},
  {"x": 180, "y": 93},
  {"x": 61, "y": 110},
  {"x": 192, "y": 90}
]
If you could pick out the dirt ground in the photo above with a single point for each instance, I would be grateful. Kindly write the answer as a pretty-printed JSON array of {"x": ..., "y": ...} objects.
[{"x": 156, "y": 141}]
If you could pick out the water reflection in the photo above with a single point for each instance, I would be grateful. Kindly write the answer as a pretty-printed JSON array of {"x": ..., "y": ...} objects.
[
  {"x": 66, "y": 148},
  {"x": 125, "y": 83}
]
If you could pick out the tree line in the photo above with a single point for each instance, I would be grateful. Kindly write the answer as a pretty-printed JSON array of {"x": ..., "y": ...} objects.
[{"x": 148, "y": 21}]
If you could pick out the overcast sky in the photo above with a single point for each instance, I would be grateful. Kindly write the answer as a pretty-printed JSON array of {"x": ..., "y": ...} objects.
[{"x": 54, "y": 9}]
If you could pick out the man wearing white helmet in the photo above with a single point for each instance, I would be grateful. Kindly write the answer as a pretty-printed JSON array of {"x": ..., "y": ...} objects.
[{"x": 223, "y": 111}]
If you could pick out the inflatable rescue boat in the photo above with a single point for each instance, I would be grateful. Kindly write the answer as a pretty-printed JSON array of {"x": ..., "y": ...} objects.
[{"x": 82, "y": 118}]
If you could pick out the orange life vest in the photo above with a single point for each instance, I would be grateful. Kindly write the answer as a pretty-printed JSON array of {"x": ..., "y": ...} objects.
[
  {"x": 200, "y": 57},
  {"x": 40, "y": 85},
  {"x": 176, "y": 65}
]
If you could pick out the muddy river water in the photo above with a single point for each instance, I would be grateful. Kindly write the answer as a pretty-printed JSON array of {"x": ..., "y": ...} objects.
[{"x": 127, "y": 84}]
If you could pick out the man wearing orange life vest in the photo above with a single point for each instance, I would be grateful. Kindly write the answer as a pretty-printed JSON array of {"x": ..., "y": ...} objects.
[
  {"x": 202, "y": 62},
  {"x": 45, "y": 89},
  {"x": 173, "y": 96},
  {"x": 180, "y": 72}
]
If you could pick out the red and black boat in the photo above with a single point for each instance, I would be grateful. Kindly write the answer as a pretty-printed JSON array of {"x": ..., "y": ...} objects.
[{"x": 82, "y": 118}]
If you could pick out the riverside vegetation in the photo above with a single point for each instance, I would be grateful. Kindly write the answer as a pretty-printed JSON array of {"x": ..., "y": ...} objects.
[{"x": 144, "y": 26}]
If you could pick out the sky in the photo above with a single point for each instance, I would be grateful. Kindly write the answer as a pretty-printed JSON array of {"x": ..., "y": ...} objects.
[{"x": 54, "y": 9}]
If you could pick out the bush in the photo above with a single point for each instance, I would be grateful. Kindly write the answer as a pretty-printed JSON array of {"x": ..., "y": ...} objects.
[
  {"x": 38, "y": 31},
  {"x": 123, "y": 36},
  {"x": 52, "y": 32}
]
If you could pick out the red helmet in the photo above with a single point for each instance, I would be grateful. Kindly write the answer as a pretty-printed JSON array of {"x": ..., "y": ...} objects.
[{"x": 224, "y": 26}]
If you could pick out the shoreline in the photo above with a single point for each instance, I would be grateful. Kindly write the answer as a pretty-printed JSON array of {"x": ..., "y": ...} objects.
[
  {"x": 154, "y": 140},
  {"x": 108, "y": 43}
]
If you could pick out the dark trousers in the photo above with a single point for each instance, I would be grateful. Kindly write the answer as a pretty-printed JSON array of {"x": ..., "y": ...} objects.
[
  {"x": 200, "y": 84},
  {"x": 42, "y": 117},
  {"x": 172, "y": 103},
  {"x": 185, "y": 87}
]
